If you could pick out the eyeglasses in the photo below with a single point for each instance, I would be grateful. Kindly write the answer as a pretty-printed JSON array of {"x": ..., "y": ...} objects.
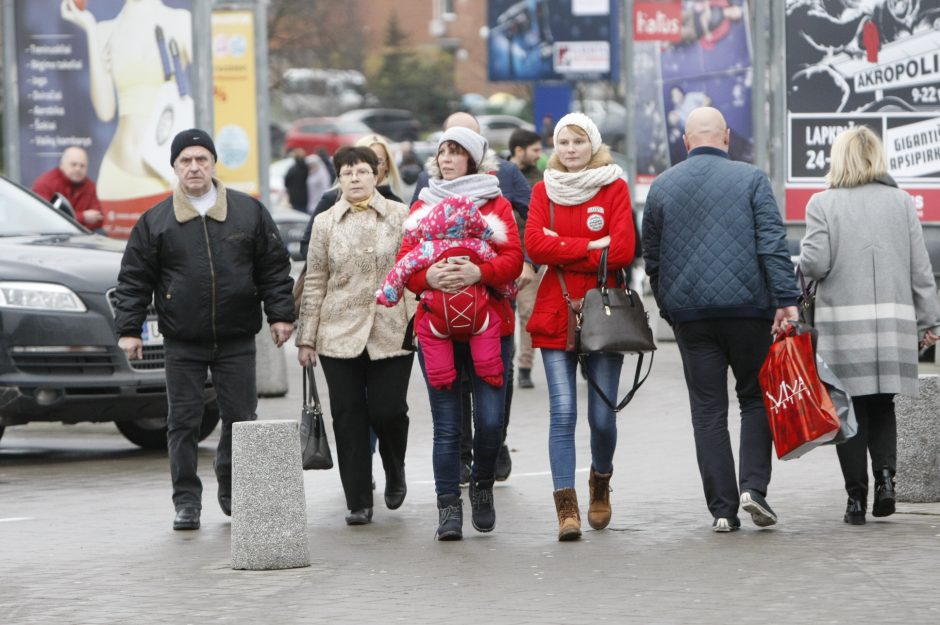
[{"x": 358, "y": 173}]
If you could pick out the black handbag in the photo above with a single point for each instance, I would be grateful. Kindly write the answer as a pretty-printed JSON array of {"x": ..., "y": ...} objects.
[
  {"x": 608, "y": 320},
  {"x": 314, "y": 445},
  {"x": 807, "y": 298}
]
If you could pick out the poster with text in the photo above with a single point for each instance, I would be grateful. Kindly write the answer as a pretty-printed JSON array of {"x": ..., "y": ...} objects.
[
  {"x": 542, "y": 40},
  {"x": 708, "y": 64},
  {"x": 112, "y": 77},
  {"x": 875, "y": 63}
]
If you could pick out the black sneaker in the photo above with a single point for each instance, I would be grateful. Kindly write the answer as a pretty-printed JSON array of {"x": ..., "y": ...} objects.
[
  {"x": 481, "y": 503},
  {"x": 761, "y": 512},
  {"x": 464, "y": 474},
  {"x": 525, "y": 378},
  {"x": 450, "y": 517},
  {"x": 503, "y": 464},
  {"x": 723, "y": 525}
]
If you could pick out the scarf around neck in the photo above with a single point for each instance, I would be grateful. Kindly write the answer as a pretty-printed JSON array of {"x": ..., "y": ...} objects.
[
  {"x": 573, "y": 188},
  {"x": 479, "y": 188}
]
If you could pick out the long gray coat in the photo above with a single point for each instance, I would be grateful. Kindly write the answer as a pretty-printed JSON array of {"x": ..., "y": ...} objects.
[{"x": 876, "y": 293}]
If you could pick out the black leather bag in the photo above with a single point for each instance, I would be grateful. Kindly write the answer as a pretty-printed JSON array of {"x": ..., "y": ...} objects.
[
  {"x": 609, "y": 320},
  {"x": 613, "y": 318},
  {"x": 807, "y": 298},
  {"x": 314, "y": 445}
]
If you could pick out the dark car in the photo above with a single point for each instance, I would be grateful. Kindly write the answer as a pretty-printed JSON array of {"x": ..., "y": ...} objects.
[
  {"x": 59, "y": 358},
  {"x": 329, "y": 133},
  {"x": 396, "y": 124}
]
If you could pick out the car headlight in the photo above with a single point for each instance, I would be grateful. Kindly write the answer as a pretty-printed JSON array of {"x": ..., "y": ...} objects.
[{"x": 40, "y": 296}]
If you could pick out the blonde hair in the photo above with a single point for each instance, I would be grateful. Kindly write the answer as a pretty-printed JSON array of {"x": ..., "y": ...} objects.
[
  {"x": 857, "y": 157},
  {"x": 598, "y": 159},
  {"x": 394, "y": 179}
]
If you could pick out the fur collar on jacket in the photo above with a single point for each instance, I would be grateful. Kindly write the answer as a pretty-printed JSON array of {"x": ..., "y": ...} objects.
[{"x": 184, "y": 210}]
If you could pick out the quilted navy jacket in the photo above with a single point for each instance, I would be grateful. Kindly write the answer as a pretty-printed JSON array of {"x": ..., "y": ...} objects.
[{"x": 714, "y": 243}]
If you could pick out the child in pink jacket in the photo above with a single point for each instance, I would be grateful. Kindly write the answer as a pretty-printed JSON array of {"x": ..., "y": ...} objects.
[{"x": 452, "y": 228}]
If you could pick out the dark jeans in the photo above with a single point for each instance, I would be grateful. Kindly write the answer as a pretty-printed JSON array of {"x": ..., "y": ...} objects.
[
  {"x": 877, "y": 435},
  {"x": 364, "y": 394},
  {"x": 466, "y": 399},
  {"x": 708, "y": 348},
  {"x": 489, "y": 404},
  {"x": 232, "y": 363}
]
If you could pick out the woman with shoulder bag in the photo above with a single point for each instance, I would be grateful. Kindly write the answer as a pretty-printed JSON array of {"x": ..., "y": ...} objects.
[
  {"x": 358, "y": 342},
  {"x": 580, "y": 208},
  {"x": 875, "y": 297}
]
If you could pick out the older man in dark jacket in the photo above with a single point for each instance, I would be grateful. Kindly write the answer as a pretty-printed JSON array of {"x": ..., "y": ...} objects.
[
  {"x": 715, "y": 250},
  {"x": 207, "y": 257}
]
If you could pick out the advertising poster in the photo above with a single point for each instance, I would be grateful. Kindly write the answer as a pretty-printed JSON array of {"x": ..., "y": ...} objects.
[
  {"x": 687, "y": 56},
  {"x": 875, "y": 63},
  {"x": 110, "y": 76},
  {"x": 542, "y": 40},
  {"x": 235, "y": 98}
]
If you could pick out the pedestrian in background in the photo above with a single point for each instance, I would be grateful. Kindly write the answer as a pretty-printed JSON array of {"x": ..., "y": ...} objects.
[
  {"x": 70, "y": 180},
  {"x": 581, "y": 208},
  {"x": 318, "y": 181},
  {"x": 525, "y": 148},
  {"x": 359, "y": 343},
  {"x": 295, "y": 180},
  {"x": 207, "y": 257},
  {"x": 875, "y": 297},
  {"x": 460, "y": 170},
  {"x": 716, "y": 254}
]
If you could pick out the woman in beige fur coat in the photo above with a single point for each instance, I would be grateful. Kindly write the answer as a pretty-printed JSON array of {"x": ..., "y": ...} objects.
[{"x": 359, "y": 343}]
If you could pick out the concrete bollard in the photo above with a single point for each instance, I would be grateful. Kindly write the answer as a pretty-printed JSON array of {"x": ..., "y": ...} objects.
[
  {"x": 270, "y": 365},
  {"x": 269, "y": 511},
  {"x": 918, "y": 471}
]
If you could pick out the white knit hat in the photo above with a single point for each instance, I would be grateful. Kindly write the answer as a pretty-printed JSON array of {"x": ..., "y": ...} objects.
[
  {"x": 583, "y": 122},
  {"x": 472, "y": 142}
]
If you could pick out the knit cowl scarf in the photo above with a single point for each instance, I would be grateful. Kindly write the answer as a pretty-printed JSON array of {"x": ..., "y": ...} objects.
[
  {"x": 573, "y": 188},
  {"x": 480, "y": 188}
]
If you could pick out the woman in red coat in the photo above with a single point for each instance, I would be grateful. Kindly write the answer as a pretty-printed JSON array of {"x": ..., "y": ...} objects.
[
  {"x": 458, "y": 170},
  {"x": 581, "y": 207}
]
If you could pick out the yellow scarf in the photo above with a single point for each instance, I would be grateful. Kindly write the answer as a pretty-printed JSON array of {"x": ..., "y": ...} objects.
[{"x": 358, "y": 207}]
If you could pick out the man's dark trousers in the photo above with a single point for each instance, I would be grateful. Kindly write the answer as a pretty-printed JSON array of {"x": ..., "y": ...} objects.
[
  {"x": 708, "y": 347},
  {"x": 232, "y": 363}
]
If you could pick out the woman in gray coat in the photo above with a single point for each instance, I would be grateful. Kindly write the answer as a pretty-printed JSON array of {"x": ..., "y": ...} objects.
[{"x": 876, "y": 297}]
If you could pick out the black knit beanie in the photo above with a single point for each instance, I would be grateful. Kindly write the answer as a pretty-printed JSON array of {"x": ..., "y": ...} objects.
[{"x": 189, "y": 138}]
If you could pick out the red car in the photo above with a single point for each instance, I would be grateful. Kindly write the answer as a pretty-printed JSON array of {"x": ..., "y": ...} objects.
[{"x": 330, "y": 133}]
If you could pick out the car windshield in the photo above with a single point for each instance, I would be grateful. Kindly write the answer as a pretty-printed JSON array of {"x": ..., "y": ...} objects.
[{"x": 21, "y": 213}]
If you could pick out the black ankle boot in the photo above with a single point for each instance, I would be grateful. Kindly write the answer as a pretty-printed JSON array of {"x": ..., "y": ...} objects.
[
  {"x": 855, "y": 511},
  {"x": 884, "y": 494},
  {"x": 450, "y": 517},
  {"x": 483, "y": 513}
]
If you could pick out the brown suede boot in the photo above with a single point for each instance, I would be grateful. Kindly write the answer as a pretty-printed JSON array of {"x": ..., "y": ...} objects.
[
  {"x": 599, "y": 507},
  {"x": 569, "y": 517}
]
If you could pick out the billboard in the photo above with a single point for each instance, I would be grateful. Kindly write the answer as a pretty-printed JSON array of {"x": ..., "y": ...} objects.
[
  {"x": 701, "y": 57},
  {"x": 112, "y": 77},
  {"x": 236, "y": 109},
  {"x": 875, "y": 63},
  {"x": 542, "y": 40}
]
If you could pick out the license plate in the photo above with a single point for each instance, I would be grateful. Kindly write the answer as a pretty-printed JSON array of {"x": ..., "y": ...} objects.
[{"x": 150, "y": 333}]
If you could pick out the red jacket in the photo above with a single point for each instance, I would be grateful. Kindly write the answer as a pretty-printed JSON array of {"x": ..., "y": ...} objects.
[
  {"x": 608, "y": 212},
  {"x": 83, "y": 196},
  {"x": 496, "y": 273}
]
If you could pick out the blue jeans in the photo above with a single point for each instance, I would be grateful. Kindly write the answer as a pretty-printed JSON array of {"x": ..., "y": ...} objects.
[
  {"x": 489, "y": 406},
  {"x": 561, "y": 372}
]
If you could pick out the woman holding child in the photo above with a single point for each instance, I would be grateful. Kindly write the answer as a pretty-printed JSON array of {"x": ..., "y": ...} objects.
[{"x": 459, "y": 171}]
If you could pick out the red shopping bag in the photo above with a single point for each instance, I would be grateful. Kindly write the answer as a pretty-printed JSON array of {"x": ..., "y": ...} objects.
[{"x": 799, "y": 408}]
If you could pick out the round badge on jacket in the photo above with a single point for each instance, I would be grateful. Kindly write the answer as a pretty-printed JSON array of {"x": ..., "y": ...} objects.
[{"x": 595, "y": 222}]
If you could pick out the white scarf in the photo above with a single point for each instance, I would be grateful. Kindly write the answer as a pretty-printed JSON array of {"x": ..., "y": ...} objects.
[
  {"x": 573, "y": 188},
  {"x": 479, "y": 188}
]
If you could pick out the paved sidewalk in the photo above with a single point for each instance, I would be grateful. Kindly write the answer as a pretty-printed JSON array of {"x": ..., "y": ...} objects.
[{"x": 85, "y": 538}]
